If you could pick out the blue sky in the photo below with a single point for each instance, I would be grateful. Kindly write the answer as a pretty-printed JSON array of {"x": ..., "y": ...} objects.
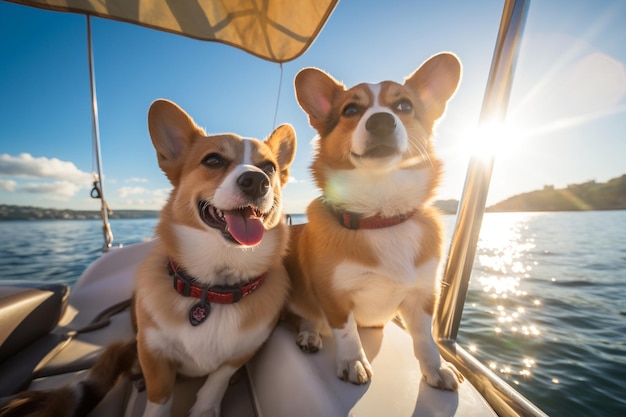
[{"x": 568, "y": 108}]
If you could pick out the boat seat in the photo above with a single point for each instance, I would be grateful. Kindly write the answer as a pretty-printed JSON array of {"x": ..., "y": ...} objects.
[
  {"x": 28, "y": 314},
  {"x": 98, "y": 312},
  {"x": 109, "y": 282},
  {"x": 126, "y": 398}
]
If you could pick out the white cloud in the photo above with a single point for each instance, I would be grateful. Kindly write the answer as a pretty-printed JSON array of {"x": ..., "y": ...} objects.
[
  {"x": 162, "y": 193},
  {"x": 63, "y": 190},
  {"x": 7, "y": 185},
  {"x": 27, "y": 166},
  {"x": 51, "y": 178},
  {"x": 294, "y": 180},
  {"x": 141, "y": 198},
  {"x": 135, "y": 179},
  {"x": 124, "y": 192},
  {"x": 142, "y": 203}
]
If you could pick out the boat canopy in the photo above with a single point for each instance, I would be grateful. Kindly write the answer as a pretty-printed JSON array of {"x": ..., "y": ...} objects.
[{"x": 275, "y": 30}]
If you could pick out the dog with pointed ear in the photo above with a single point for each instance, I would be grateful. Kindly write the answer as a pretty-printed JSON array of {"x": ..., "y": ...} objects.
[
  {"x": 372, "y": 246},
  {"x": 213, "y": 287}
]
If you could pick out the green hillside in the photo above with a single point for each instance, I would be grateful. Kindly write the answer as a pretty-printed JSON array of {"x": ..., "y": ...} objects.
[{"x": 577, "y": 197}]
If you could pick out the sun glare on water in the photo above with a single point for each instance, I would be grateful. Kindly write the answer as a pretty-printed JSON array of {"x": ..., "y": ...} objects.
[{"x": 503, "y": 262}]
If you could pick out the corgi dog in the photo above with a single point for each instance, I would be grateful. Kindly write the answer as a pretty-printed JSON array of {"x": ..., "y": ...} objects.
[
  {"x": 372, "y": 246},
  {"x": 212, "y": 290},
  {"x": 214, "y": 286}
]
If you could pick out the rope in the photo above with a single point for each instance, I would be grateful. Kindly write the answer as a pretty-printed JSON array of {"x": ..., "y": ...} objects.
[
  {"x": 97, "y": 191},
  {"x": 280, "y": 84},
  {"x": 103, "y": 319}
]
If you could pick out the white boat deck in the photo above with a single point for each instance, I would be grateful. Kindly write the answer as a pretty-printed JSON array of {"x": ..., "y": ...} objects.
[
  {"x": 279, "y": 381},
  {"x": 280, "y": 371}
]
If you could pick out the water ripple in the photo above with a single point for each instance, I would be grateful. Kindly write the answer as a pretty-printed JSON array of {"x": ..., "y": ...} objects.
[{"x": 545, "y": 308}]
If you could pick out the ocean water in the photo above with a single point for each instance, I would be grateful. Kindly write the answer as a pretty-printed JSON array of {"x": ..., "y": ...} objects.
[{"x": 546, "y": 307}]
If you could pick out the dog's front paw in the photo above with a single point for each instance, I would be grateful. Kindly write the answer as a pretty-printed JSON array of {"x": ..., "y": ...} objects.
[
  {"x": 309, "y": 342},
  {"x": 446, "y": 377},
  {"x": 358, "y": 371},
  {"x": 211, "y": 411}
]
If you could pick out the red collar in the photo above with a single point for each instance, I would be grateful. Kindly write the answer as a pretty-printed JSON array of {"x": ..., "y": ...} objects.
[
  {"x": 219, "y": 294},
  {"x": 355, "y": 221}
]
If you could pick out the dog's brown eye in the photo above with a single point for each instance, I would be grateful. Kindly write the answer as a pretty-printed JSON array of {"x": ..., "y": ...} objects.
[
  {"x": 403, "y": 106},
  {"x": 268, "y": 168},
  {"x": 214, "y": 160},
  {"x": 351, "y": 110}
]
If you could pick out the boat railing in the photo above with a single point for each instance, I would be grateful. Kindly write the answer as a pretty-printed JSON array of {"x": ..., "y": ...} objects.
[{"x": 504, "y": 399}]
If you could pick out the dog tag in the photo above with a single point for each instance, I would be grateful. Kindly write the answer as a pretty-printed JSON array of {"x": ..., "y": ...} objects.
[{"x": 199, "y": 312}]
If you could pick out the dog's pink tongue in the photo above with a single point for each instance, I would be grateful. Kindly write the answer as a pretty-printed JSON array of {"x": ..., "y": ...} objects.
[{"x": 244, "y": 226}]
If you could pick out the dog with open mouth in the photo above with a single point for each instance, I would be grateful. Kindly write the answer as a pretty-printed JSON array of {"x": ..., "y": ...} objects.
[
  {"x": 372, "y": 246},
  {"x": 213, "y": 288}
]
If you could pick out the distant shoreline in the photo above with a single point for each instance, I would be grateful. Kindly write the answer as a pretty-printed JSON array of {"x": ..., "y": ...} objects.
[
  {"x": 588, "y": 196},
  {"x": 61, "y": 214},
  {"x": 30, "y": 213}
]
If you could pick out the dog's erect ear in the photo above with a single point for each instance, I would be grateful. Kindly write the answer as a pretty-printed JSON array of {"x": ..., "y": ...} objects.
[
  {"x": 316, "y": 91},
  {"x": 172, "y": 131},
  {"x": 435, "y": 81},
  {"x": 282, "y": 142}
]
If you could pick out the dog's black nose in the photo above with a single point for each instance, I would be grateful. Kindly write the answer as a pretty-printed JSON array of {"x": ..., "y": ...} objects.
[
  {"x": 381, "y": 124},
  {"x": 253, "y": 183}
]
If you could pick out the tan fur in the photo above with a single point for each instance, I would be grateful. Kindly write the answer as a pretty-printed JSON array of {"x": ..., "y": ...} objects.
[
  {"x": 239, "y": 362},
  {"x": 166, "y": 341},
  {"x": 332, "y": 267},
  {"x": 431, "y": 304},
  {"x": 117, "y": 359},
  {"x": 60, "y": 403},
  {"x": 182, "y": 149}
]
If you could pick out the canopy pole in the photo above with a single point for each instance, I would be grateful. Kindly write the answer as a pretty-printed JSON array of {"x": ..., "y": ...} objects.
[
  {"x": 473, "y": 201},
  {"x": 98, "y": 190}
]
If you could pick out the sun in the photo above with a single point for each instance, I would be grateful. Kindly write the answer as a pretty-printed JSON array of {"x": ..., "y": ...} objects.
[{"x": 494, "y": 139}]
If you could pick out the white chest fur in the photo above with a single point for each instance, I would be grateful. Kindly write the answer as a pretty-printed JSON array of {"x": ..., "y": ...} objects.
[
  {"x": 202, "y": 349},
  {"x": 370, "y": 193},
  {"x": 206, "y": 250},
  {"x": 378, "y": 291}
]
